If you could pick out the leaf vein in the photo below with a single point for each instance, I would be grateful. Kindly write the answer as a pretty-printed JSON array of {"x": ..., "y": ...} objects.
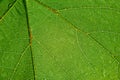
[
  {"x": 18, "y": 63},
  {"x": 6, "y": 12}
]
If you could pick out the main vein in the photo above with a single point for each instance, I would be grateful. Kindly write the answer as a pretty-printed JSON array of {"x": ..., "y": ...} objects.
[{"x": 30, "y": 37}]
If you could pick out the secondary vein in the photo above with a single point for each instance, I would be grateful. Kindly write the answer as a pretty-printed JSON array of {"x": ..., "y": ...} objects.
[{"x": 5, "y": 13}]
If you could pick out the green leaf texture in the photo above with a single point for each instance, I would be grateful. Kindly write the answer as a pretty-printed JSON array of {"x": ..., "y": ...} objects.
[{"x": 59, "y": 39}]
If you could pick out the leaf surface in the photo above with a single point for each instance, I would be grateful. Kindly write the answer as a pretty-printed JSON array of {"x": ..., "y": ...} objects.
[{"x": 59, "y": 40}]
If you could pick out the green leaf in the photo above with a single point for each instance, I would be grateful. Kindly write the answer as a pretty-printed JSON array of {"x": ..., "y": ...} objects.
[{"x": 59, "y": 40}]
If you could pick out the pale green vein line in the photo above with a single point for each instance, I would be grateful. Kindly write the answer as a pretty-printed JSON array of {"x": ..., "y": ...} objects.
[
  {"x": 74, "y": 26},
  {"x": 6, "y": 12},
  {"x": 90, "y": 7},
  {"x": 18, "y": 63},
  {"x": 41, "y": 45},
  {"x": 84, "y": 54}
]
